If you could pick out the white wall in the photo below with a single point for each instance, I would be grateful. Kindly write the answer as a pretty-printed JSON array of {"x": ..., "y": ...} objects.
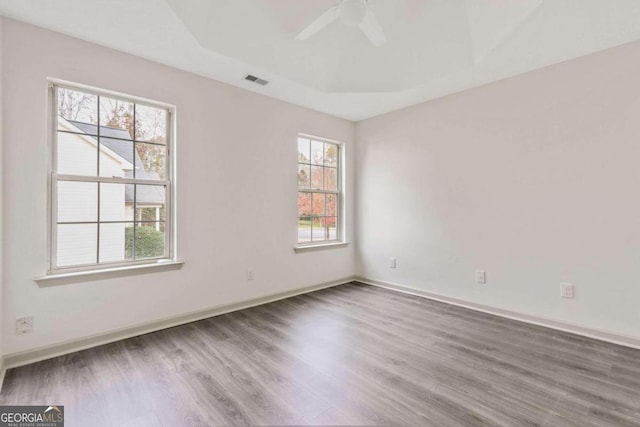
[
  {"x": 236, "y": 193},
  {"x": 534, "y": 179}
]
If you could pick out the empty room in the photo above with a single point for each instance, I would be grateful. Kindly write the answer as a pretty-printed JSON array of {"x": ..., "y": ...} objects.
[{"x": 319, "y": 212}]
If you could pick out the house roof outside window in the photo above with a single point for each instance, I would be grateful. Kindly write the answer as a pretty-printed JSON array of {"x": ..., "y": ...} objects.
[{"x": 113, "y": 139}]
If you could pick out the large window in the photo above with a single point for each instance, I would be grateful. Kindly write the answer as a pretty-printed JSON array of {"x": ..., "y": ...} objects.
[
  {"x": 319, "y": 191},
  {"x": 110, "y": 180}
]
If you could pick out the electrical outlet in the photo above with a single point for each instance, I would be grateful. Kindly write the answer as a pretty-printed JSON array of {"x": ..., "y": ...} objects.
[
  {"x": 250, "y": 274},
  {"x": 481, "y": 277},
  {"x": 392, "y": 262},
  {"x": 24, "y": 325},
  {"x": 567, "y": 290}
]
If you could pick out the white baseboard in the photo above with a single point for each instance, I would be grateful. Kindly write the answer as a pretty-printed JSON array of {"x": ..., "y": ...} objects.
[
  {"x": 597, "y": 334},
  {"x": 14, "y": 360},
  {"x": 3, "y": 371}
]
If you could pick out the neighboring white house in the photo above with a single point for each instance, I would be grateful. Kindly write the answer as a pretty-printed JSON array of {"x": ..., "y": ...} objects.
[{"x": 77, "y": 232}]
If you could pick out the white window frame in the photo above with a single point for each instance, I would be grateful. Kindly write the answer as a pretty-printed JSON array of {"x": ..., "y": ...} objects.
[
  {"x": 340, "y": 214},
  {"x": 53, "y": 178}
]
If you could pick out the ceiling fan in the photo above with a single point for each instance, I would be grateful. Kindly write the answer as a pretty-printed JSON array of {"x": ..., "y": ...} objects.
[{"x": 354, "y": 13}]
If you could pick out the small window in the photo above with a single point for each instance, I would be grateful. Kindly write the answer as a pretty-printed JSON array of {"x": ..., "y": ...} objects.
[
  {"x": 319, "y": 191},
  {"x": 110, "y": 180}
]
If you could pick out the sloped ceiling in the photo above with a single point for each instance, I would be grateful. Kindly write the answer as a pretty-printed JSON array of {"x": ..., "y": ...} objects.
[{"x": 435, "y": 47}]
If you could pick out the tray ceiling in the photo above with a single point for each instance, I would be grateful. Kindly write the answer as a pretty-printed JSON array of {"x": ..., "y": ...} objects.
[{"x": 434, "y": 48}]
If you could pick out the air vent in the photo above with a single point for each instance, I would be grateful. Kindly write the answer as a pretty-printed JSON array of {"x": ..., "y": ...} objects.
[{"x": 255, "y": 79}]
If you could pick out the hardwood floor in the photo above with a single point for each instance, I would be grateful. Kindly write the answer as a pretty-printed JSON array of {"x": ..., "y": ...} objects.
[{"x": 349, "y": 355}]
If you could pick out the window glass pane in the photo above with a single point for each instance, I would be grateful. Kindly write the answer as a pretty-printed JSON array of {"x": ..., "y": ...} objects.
[
  {"x": 116, "y": 158},
  {"x": 158, "y": 225},
  {"x": 76, "y": 108},
  {"x": 116, "y": 118},
  {"x": 116, "y": 202},
  {"x": 150, "y": 240},
  {"x": 304, "y": 176},
  {"x": 77, "y": 201},
  {"x": 331, "y": 179},
  {"x": 114, "y": 241},
  {"x": 304, "y": 205},
  {"x": 129, "y": 238},
  {"x": 77, "y": 244},
  {"x": 77, "y": 154},
  {"x": 304, "y": 150},
  {"x": 324, "y": 228},
  {"x": 330, "y": 155},
  {"x": 150, "y": 161},
  {"x": 304, "y": 230},
  {"x": 317, "y": 204},
  {"x": 331, "y": 205},
  {"x": 317, "y": 180},
  {"x": 318, "y": 231},
  {"x": 317, "y": 152},
  {"x": 146, "y": 214},
  {"x": 332, "y": 226},
  {"x": 150, "y": 201},
  {"x": 151, "y": 124}
]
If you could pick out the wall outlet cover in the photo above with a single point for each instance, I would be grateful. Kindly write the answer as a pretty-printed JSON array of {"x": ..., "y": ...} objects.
[
  {"x": 481, "y": 277},
  {"x": 567, "y": 290},
  {"x": 24, "y": 325}
]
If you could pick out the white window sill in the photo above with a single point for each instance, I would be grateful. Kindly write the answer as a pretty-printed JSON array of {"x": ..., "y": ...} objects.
[
  {"x": 320, "y": 247},
  {"x": 108, "y": 273}
]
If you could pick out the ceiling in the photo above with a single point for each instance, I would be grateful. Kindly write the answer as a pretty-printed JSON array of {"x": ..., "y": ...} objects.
[{"x": 434, "y": 48}]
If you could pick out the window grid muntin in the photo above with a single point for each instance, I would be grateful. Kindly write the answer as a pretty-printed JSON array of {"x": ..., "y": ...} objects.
[
  {"x": 112, "y": 137},
  {"x": 311, "y": 191},
  {"x": 55, "y": 178}
]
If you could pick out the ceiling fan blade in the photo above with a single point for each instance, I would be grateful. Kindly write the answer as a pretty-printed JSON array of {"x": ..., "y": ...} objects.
[
  {"x": 325, "y": 19},
  {"x": 372, "y": 29}
]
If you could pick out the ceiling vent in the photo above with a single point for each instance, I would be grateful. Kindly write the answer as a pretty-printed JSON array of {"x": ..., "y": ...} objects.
[{"x": 257, "y": 80}]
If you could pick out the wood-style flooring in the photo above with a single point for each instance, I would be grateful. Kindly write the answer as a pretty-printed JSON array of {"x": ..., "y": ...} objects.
[{"x": 348, "y": 355}]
